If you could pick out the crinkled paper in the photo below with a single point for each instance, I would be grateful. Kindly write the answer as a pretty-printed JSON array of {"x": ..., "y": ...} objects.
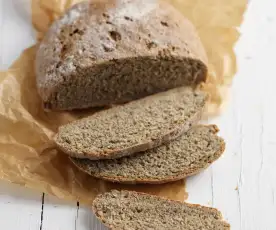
[{"x": 27, "y": 156}]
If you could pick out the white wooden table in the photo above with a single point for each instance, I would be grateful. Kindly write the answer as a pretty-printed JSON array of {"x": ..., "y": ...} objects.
[{"x": 242, "y": 184}]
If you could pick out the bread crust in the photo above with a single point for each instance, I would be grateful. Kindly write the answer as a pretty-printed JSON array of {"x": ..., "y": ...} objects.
[
  {"x": 139, "y": 29},
  {"x": 208, "y": 209}
]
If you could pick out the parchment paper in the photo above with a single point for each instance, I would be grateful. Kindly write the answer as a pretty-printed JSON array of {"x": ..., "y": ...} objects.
[{"x": 26, "y": 153}]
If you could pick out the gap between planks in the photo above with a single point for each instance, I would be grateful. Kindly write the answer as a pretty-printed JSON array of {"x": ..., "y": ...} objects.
[{"x": 57, "y": 214}]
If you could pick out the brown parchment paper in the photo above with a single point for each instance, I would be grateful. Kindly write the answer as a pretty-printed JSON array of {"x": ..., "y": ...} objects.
[{"x": 26, "y": 153}]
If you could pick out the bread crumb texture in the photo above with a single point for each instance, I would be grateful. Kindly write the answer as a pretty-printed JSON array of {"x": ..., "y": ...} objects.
[
  {"x": 126, "y": 210},
  {"x": 142, "y": 123},
  {"x": 182, "y": 157}
]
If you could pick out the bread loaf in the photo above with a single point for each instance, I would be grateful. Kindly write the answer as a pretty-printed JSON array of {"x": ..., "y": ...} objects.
[
  {"x": 97, "y": 54},
  {"x": 133, "y": 127},
  {"x": 185, "y": 156},
  {"x": 125, "y": 210}
]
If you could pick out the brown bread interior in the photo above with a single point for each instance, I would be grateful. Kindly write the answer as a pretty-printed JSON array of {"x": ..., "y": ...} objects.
[
  {"x": 127, "y": 210},
  {"x": 185, "y": 156}
]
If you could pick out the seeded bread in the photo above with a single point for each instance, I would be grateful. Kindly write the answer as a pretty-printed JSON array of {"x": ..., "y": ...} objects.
[
  {"x": 96, "y": 55},
  {"x": 183, "y": 157},
  {"x": 133, "y": 127},
  {"x": 126, "y": 210}
]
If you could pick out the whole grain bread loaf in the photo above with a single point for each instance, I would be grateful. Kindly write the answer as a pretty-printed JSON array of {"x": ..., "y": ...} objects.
[
  {"x": 98, "y": 54},
  {"x": 133, "y": 127},
  {"x": 126, "y": 210},
  {"x": 185, "y": 156}
]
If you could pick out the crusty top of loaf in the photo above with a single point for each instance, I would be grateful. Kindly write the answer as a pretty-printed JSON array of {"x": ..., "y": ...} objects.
[
  {"x": 93, "y": 33},
  {"x": 127, "y": 210}
]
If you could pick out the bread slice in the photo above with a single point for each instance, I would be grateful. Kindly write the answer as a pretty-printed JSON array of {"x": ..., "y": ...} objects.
[
  {"x": 185, "y": 156},
  {"x": 98, "y": 54},
  {"x": 137, "y": 126},
  {"x": 127, "y": 210}
]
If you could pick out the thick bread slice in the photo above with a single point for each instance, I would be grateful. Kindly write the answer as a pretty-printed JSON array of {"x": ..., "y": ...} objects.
[
  {"x": 126, "y": 210},
  {"x": 185, "y": 156},
  {"x": 133, "y": 127},
  {"x": 99, "y": 54}
]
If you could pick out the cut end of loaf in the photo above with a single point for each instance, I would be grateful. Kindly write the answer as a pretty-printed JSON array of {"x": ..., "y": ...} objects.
[
  {"x": 120, "y": 52},
  {"x": 132, "y": 210},
  {"x": 137, "y": 77},
  {"x": 183, "y": 157}
]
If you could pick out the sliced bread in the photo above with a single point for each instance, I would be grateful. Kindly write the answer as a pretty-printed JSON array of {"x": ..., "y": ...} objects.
[
  {"x": 137, "y": 126},
  {"x": 97, "y": 55},
  {"x": 185, "y": 156},
  {"x": 126, "y": 210}
]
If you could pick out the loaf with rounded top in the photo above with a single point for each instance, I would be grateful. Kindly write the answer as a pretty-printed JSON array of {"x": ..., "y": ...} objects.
[
  {"x": 127, "y": 210},
  {"x": 183, "y": 157},
  {"x": 103, "y": 53},
  {"x": 133, "y": 127}
]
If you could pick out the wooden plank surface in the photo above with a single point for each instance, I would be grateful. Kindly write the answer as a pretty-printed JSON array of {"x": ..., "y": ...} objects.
[
  {"x": 19, "y": 209},
  {"x": 242, "y": 184}
]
